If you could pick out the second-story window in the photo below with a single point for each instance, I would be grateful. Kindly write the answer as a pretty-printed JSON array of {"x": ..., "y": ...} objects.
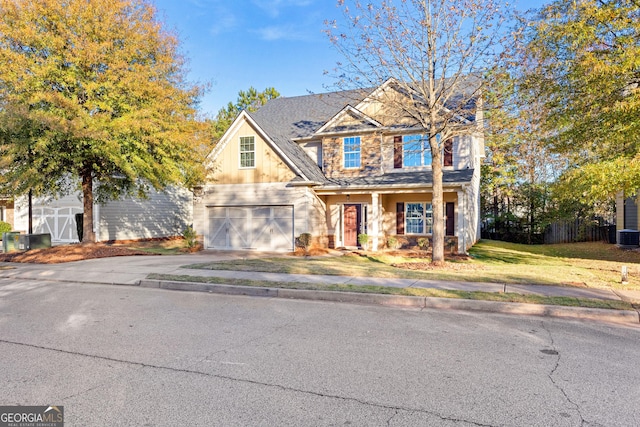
[
  {"x": 351, "y": 148},
  {"x": 247, "y": 152},
  {"x": 416, "y": 150}
]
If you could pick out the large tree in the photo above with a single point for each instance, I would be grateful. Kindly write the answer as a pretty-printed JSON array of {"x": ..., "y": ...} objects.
[
  {"x": 519, "y": 169},
  {"x": 587, "y": 75},
  {"x": 435, "y": 51},
  {"x": 93, "y": 96}
]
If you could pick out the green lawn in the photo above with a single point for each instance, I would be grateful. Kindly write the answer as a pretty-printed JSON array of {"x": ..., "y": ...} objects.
[
  {"x": 430, "y": 293},
  {"x": 595, "y": 265}
]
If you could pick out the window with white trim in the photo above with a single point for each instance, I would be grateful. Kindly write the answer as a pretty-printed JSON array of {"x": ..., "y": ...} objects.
[
  {"x": 247, "y": 152},
  {"x": 418, "y": 218},
  {"x": 416, "y": 150},
  {"x": 351, "y": 150}
]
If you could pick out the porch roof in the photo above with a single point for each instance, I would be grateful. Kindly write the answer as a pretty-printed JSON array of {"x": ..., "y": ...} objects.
[{"x": 396, "y": 180}]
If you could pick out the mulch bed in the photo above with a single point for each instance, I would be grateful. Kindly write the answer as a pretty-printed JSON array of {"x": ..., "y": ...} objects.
[{"x": 69, "y": 253}]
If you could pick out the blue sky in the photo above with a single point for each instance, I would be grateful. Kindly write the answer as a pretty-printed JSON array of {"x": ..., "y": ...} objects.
[{"x": 235, "y": 44}]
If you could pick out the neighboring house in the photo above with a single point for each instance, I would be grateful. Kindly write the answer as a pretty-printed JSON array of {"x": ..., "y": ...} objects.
[
  {"x": 6, "y": 209},
  {"x": 162, "y": 214},
  {"x": 334, "y": 166},
  {"x": 627, "y": 217}
]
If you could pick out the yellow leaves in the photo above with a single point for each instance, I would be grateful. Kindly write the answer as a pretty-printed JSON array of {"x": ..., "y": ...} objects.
[{"x": 103, "y": 77}]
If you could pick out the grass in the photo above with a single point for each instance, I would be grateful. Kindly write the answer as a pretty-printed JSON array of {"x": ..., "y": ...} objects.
[
  {"x": 159, "y": 247},
  {"x": 434, "y": 293},
  {"x": 593, "y": 265}
]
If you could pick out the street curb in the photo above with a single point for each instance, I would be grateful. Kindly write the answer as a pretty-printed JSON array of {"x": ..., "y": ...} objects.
[{"x": 581, "y": 313}]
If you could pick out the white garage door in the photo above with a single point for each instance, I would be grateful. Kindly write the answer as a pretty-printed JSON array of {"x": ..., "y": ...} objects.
[
  {"x": 59, "y": 222},
  {"x": 265, "y": 228}
]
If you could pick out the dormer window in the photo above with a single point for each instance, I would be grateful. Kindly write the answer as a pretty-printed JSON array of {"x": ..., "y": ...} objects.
[
  {"x": 247, "y": 152},
  {"x": 351, "y": 149}
]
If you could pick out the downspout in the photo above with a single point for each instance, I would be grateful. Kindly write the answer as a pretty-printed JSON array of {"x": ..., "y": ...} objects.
[
  {"x": 381, "y": 153},
  {"x": 96, "y": 221},
  {"x": 464, "y": 218}
]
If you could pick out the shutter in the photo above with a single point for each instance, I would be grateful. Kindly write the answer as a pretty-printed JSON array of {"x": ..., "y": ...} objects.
[
  {"x": 397, "y": 152},
  {"x": 400, "y": 218},
  {"x": 448, "y": 152},
  {"x": 451, "y": 211}
]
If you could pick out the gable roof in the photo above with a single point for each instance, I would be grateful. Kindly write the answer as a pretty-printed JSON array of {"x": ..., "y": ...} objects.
[
  {"x": 286, "y": 119},
  {"x": 364, "y": 122}
]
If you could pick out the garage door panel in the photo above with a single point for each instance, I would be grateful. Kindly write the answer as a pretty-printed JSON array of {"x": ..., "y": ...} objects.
[{"x": 260, "y": 227}]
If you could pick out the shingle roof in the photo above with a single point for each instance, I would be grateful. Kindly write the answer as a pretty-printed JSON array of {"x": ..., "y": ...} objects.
[
  {"x": 403, "y": 179},
  {"x": 284, "y": 119}
]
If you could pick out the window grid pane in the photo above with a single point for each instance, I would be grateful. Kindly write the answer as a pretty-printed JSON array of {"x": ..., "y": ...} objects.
[
  {"x": 247, "y": 152},
  {"x": 418, "y": 218},
  {"x": 416, "y": 150},
  {"x": 428, "y": 218},
  {"x": 352, "y": 152},
  {"x": 414, "y": 218}
]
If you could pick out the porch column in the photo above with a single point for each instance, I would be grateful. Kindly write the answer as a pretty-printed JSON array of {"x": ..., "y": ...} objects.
[
  {"x": 461, "y": 225},
  {"x": 375, "y": 220}
]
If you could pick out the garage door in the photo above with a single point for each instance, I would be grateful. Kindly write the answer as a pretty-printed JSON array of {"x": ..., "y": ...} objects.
[
  {"x": 265, "y": 228},
  {"x": 59, "y": 222}
]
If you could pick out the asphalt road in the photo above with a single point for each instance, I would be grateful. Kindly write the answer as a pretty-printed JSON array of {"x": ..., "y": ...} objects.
[{"x": 128, "y": 356}]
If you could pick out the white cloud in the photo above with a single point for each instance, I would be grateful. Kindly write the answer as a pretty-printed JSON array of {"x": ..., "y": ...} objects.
[
  {"x": 272, "y": 33},
  {"x": 223, "y": 21}
]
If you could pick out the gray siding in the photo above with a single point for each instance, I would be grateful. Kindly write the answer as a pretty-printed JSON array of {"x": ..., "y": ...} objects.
[
  {"x": 631, "y": 213},
  {"x": 162, "y": 214}
]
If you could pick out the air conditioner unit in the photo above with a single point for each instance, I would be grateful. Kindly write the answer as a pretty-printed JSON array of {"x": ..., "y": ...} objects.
[
  {"x": 628, "y": 239},
  {"x": 34, "y": 241}
]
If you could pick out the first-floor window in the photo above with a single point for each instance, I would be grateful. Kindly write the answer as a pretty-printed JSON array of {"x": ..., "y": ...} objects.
[
  {"x": 418, "y": 218},
  {"x": 247, "y": 152}
]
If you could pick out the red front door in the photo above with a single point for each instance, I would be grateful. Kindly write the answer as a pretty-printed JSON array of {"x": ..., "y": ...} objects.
[{"x": 352, "y": 219}]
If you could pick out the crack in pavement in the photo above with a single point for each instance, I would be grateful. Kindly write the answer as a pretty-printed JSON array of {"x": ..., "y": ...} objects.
[
  {"x": 553, "y": 371},
  {"x": 392, "y": 417},
  {"x": 246, "y": 381},
  {"x": 242, "y": 344}
]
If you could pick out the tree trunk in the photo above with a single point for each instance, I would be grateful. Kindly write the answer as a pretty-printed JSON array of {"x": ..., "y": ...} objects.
[
  {"x": 437, "y": 254},
  {"x": 87, "y": 196}
]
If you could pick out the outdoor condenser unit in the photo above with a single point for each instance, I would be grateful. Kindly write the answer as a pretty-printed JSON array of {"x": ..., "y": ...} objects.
[
  {"x": 34, "y": 241},
  {"x": 628, "y": 239}
]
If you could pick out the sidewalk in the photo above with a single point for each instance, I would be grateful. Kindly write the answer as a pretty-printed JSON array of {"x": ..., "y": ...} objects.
[{"x": 134, "y": 271}]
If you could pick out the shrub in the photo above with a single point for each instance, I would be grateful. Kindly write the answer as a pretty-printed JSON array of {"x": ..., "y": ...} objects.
[
  {"x": 190, "y": 237},
  {"x": 363, "y": 240},
  {"x": 392, "y": 242},
  {"x": 305, "y": 240},
  {"x": 423, "y": 243},
  {"x": 5, "y": 227}
]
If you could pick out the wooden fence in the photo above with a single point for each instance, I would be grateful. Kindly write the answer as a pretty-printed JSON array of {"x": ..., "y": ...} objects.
[{"x": 579, "y": 231}]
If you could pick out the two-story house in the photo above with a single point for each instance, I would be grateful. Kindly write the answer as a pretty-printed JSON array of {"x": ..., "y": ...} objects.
[{"x": 335, "y": 165}]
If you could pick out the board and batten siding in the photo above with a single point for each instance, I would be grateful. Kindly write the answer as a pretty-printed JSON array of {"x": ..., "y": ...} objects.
[
  {"x": 269, "y": 166},
  {"x": 308, "y": 209},
  {"x": 162, "y": 214}
]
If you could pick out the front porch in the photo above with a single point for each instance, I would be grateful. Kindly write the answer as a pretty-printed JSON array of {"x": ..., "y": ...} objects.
[{"x": 405, "y": 216}]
